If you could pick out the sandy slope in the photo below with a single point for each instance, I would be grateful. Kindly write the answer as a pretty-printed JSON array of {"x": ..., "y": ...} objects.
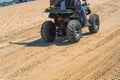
[
  {"x": 20, "y": 17},
  {"x": 95, "y": 57}
]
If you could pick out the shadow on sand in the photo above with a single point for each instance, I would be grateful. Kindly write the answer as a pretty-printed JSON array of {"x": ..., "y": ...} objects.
[{"x": 40, "y": 43}]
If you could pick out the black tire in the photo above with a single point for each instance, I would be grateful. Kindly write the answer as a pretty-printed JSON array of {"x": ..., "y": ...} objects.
[
  {"x": 74, "y": 31},
  {"x": 48, "y": 31},
  {"x": 88, "y": 11},
  {"x": 95, "y": 23}
]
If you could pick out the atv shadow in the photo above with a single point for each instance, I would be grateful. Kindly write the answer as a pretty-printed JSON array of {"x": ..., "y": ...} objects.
[
  {"x": 86, "y": 34},
  {"x": 40, "y": 43}
]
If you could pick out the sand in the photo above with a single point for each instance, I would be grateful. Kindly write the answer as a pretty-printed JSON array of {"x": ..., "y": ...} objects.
[{"x": 25, "y": 56}]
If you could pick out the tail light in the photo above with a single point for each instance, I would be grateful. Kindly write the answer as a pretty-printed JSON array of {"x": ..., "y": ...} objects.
[{"x": 59, "y": 19}]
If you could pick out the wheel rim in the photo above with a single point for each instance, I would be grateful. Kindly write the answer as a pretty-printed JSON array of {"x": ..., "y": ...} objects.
[
  {"x": 77, "y": 31},
  {"x": 96, "y": 24}
]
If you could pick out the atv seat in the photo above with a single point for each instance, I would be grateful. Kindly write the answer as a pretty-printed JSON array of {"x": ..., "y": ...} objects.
[{"x": 58, "y": 10}]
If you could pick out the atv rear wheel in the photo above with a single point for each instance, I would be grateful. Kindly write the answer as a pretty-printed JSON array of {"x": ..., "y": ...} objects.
[
  {"x": 95, "y": 23},
  {"x": 48, "y": 31},
  {"x": 74, "y": 31}
]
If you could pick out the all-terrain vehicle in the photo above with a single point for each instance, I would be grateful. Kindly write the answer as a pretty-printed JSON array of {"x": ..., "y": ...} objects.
[{"x": 69, "y": 23}]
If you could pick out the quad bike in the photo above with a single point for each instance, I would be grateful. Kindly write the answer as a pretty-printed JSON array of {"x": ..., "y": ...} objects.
[{"x": 68, "y": 23}]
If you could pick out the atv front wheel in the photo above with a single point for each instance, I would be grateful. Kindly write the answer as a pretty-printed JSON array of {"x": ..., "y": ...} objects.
[
  {"x": 95, "y": 23},
  {"x": 74, "y": 31},
  {"x": 48, "y": 31}
]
